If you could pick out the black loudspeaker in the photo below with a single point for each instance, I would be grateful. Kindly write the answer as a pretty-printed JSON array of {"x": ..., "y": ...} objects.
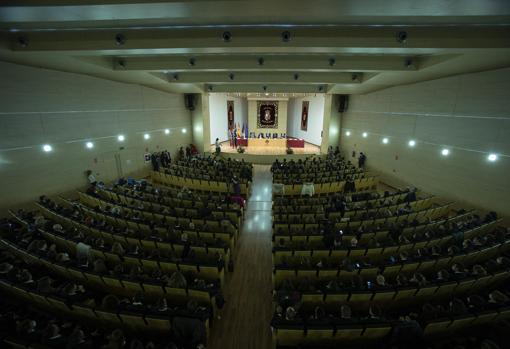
[
  {"x": 189, "y": 101},
  {"x": 343, "y": 103}
]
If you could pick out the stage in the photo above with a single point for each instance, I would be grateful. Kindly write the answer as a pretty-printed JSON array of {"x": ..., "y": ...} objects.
[{"x": 261, "y": 148}]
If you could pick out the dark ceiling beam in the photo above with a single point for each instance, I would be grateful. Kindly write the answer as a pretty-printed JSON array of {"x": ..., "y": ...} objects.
[
  {"x": 264, "y": 77},
  {"x": 252, "y": 63},
  {"x": 347, "y": 40}
]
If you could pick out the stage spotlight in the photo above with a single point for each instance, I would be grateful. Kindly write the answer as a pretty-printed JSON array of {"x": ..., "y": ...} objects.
[
  {"x": 121, "y": 138},
  {"x": 146, "y": 136},
  {"x": 22, "y": 41},
  {"x": 209, "y": 88},
  {"x": 412, "y": 143},
  {"x": 47, "y": 148},
  {"x": 261, "y": 61},
  {"x": 445, "y": 152},
  {"x": 286, "y": 36},
  {"x": 402, "y": 37},
  {"x": 296, "y": 76},
  {"x": 184, "y": 130},
  {"x": 175, "y": 77},
  {"x": 227, "y": 36},
  {"x": 385, "y": 140},
  {"x": 231, "y": 76},
  {"x": 365, "y": 135},
  {"x": 167, "y": 131},
  {"x": 89, "y": 145},
  {"x": 192, "y": 61},
  {"x": 492, "y": 157},
  {"x": 347, "y": 133},
  {"x": 332, "y": 62},
  {"x": 120, "y": 39},
  {"x": 408, "y": 63}
]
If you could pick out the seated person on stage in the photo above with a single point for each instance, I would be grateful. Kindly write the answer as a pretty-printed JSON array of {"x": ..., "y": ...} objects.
[
  {"x": 252, "y": 135},
  {"x": 268, "y": 135},
  {"x": 275, "y": 135},
  {"x": 261, "y": 135},
  {"x": 283, "y": 135}
]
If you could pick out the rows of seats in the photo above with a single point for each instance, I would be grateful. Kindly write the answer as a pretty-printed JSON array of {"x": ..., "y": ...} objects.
[
  {"x": 212, "y": 168},
  {"x": 146, "y": 258},
  {"x": 357, "y": 266}
]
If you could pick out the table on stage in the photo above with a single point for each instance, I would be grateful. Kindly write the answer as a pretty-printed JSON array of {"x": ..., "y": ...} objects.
[{"x": 271, "y": 142}]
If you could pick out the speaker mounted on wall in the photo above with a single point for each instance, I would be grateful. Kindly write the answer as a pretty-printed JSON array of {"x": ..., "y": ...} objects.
[
  {"x": 343, "y": 103},
  {"x": 189, "y": 101}
]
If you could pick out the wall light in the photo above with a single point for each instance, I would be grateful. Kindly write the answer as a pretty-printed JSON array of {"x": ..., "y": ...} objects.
[
  {"x": 89, "y": 145},
  {"x": 47, "y": 148},
  {"x": 445, "y": 152},
  {"x": 146, "y": 136},
  {"x": 412, "y": 143},
  {"x": 347, "y": 133},
  {"x": 385, "y": 140},
  {"x": 167, "y": 131},
  {"x": 365, "y": 135},
  {"x": 121, "y": 138},
  {"x": 492, "y": 157},
  {"x": 184, "y": 130}
]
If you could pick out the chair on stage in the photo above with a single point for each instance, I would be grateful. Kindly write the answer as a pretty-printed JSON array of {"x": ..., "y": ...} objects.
[
  {"x": 268, "y": 135},
  {"x": 252, "y": 135},
  {"x": 261, "y": 135},
  {"x": 275, "y": 135}
]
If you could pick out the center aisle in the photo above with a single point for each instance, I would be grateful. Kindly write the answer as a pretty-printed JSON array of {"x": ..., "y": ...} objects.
[{"x": 247, "y": 314}]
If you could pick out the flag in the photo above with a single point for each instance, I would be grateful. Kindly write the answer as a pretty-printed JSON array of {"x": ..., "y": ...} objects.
[
  {"x": 243, "y": 130},
  {"x": 238, "y": 130},
  {"x": 246, "y": 132}
]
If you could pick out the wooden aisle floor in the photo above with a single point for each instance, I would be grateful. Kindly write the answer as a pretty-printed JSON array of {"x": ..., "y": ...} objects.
[{"x": 246, "y": 317}]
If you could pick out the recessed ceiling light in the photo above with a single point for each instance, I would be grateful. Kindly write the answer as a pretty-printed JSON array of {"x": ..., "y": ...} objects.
[
  {"x": 492, "y": 157},
  {"x": 47, "y": 148}
]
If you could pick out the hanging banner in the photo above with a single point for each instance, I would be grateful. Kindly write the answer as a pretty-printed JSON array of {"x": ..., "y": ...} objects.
[
  {"x": 304, "y": 115},
  {"x": 267, "y": 114},
  {"x": 230, "y": 115}
]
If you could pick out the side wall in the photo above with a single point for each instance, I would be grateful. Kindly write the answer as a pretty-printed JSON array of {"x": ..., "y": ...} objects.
[
  {"x": 468, "y": 114},
  {"x": 65, "y": 110},
  {"x": 315, "y": 118}
]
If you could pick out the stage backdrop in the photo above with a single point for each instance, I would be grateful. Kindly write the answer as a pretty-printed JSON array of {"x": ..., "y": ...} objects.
[{"x": 267, "y": 116}]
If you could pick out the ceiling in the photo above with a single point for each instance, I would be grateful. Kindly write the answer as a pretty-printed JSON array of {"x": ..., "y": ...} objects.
[{"x": 247, "y": 46}]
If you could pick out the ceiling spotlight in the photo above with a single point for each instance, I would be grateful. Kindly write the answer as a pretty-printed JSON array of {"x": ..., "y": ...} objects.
[
  {"x": 191, "y": 61},
  {"x": 260, "y": 61},
  {"x": 231, "y": 76},
  {"x": 167, "y": 131},
  {"x": 332, "y": 62},
  {"x": 385, "y": 140},
  {"x": 445, "y": 152},
  {"x": 267, "y": 93},
  {"x": 47, "y": 148},
  {"x": 121, "y": 62},
  {"x": 227, "y": 36},
  {"x": 175, "y": 77},
  {"x": 347, "y": 133},
  {"x": 264, "y": 88},
  {"x": 365, "y": 135},
  {"x": 209, "y": 88},
  {"x": 120, "y": 39},
  {"x": 121, "y": 138},
  {"x": 355, "y": 77},
  {"x": 286, "y": 36},
  {"x": 89, "y": 145},
  {"x": 402, "y": 37},
  {"x": 408, "y": 63},
  {"x": 492, "y": 157},
  {"x": 22, "y": 41},
  {"x": 321, "y": 88},
  {"x": 296, "y": 76},
  {"x": 412, "y": 143},
  {"x": 184, "y": 130},
  {"x": 146, "y": 136}
]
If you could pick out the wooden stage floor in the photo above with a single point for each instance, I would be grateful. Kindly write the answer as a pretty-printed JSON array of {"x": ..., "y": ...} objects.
[{"x": 268, "y": 150}]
